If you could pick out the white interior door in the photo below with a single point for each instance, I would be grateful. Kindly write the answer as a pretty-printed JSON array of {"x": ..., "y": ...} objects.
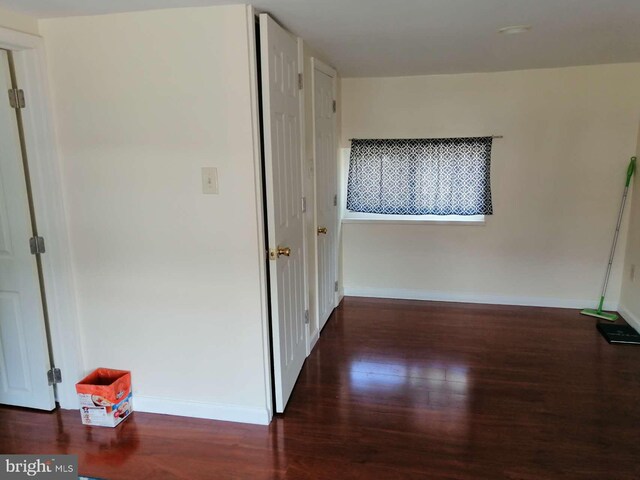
[
  {"x": 283, "y": 188},
  {"x": 24, "y": 355},
  {"x": 326, "y": 188}
]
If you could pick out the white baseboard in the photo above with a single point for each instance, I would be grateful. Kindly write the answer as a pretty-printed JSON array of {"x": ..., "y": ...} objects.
[
  {"x": 69, "y": 403},
  {"x": 631, "y": 318},
  {"x": 211, "y": 411},
  {"x": 315, "y": 336},
  {"x": 436, "y": 296},
  {"x": 183, "y": 408}
]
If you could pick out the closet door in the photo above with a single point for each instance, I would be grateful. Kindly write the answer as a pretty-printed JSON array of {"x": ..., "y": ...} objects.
[
  {"x": 24, "y": 354},
  {"x": 326, "y": 188},
  {"x": 283, "y": 189}
]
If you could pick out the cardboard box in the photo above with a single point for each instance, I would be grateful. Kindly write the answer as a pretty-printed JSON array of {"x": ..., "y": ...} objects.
[{"x": 105, "y": 397}]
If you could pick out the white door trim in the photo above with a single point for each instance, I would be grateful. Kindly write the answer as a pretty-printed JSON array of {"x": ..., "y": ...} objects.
[
  {"x": 319, "y": 65},
  {"x": 260, "y": 219},
  {"x": 324, "y": 68},
  {"x": 30, "y": 65}
]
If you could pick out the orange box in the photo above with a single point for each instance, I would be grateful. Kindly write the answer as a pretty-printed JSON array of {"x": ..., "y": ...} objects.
[{"x": 105, "y": 397}]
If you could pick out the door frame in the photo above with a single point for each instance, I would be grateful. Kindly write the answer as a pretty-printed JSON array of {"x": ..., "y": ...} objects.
[
  {"x": 317, "y": 64},
  {"x": 44, "y": 167}
]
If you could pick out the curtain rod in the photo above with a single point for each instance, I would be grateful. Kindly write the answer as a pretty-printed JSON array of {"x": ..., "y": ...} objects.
[{"x": 492, "y": 136}]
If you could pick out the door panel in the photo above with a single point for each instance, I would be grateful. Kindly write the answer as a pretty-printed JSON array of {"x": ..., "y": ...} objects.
[
  {"x": 24, "y": 356},
  {"x": 326, "y": 189},
  {"x": 283, "y": 188}
]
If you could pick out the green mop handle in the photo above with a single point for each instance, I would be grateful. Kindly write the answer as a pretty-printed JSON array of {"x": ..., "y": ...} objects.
[{"x": 630, "y": 171}]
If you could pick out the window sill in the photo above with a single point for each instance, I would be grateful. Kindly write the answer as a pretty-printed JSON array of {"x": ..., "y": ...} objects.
[{"x": 477, "y": 221}]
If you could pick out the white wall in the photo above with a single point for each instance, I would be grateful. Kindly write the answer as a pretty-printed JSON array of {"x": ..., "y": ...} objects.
[
  {"x": 168, "y": 279},
  {"x": 630, "y": 301},
  {"x": 18, "y": 21},
  {"x": 557, "y": 177}
]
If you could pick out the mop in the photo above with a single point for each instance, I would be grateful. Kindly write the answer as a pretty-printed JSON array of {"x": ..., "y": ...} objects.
[{"x": 597, "y": 312}]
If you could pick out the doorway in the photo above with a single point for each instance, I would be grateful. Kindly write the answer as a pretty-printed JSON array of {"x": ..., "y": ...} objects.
[{"x": 281, "y": 110}]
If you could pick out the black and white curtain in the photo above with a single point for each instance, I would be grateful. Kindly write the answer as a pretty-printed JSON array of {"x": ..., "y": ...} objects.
[{"x": 444, "y": 176}]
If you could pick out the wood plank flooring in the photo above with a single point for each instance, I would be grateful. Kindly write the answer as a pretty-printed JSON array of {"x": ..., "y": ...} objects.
[{"x": 398, "y": 390}]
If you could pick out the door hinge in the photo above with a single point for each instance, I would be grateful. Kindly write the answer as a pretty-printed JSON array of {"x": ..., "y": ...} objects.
[
  {"x": 304, "y": 204},
  {"x": 300, "y": 83},
  {"x": 335, "y": 288},
  {"x": 16, "y": 98},
  {"x": 37, "y": 245},
  {"x": 334, "y": 106},
  {"x": 306, "y": 317},
  {"x": 54, "y": 376},
  {"x": 335, "y": 200}
]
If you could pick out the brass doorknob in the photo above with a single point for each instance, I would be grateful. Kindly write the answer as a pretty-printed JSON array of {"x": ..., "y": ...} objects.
[
  {"x": 286, "y": 251},
  {"x": 322, "y": 230}
]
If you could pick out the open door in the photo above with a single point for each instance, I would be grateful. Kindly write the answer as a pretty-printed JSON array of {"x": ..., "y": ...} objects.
[
  {"x": 324, "y": 134},
  {"x": 283, "y": 189},
  {"x": 24, "y": 354}
]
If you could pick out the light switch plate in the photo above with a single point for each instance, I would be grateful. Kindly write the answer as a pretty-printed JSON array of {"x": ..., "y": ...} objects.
[{"x": 210, "y": 180}]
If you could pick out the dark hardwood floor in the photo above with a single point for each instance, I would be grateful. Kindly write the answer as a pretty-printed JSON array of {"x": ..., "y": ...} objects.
[{"x": 395, "y": 390}]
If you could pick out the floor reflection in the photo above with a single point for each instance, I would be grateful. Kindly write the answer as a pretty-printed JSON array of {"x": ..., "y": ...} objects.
[
  {"x": 368, "y": 374},
  {"x": 109, "y": 446},
  {"x": 438, "y": 392}
]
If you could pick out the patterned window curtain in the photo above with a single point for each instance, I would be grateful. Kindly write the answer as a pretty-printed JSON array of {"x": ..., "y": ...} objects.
[{"x": 444, "y": 176}]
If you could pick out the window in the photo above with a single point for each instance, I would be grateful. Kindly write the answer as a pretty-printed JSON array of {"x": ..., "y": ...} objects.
[{"x": 444, "y": 179}]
